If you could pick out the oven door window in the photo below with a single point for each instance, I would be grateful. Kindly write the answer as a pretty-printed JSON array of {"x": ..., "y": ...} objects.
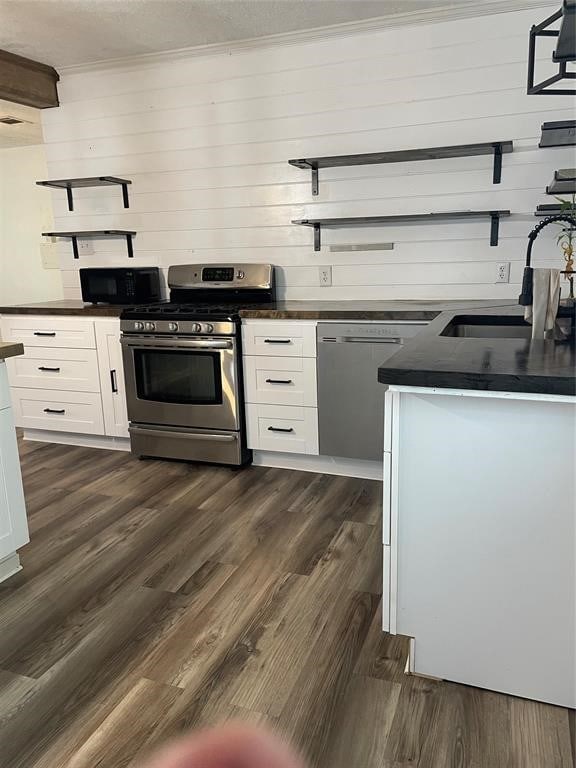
[{"x": 178, "y": 376}]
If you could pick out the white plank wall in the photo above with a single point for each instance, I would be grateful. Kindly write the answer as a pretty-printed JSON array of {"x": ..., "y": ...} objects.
[{"x": 206, "y": 140}]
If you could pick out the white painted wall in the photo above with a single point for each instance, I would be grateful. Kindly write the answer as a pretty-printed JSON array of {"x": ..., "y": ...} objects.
[
  {"x": 206, "y": 140},
  {"x": 25, "y": 211}
]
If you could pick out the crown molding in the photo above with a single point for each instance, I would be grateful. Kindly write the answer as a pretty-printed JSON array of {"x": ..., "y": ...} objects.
[{"x": 318, "y": 34}]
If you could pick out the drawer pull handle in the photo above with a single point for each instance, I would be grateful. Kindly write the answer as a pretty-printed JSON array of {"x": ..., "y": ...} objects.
[
  {"x": 278, "y": 381},
  {"x": 277, "y": 341},
  {"x": 44, "y": 333},
  {"x": 280, "y": 429},
  {"x": 54, "y": 410},
  {"x": 113, "y": 381},
  {"x": 46, "y": 368}
]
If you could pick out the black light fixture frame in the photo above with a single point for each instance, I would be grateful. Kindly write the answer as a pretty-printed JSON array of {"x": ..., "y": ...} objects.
[{"x": 541, "y": 30}]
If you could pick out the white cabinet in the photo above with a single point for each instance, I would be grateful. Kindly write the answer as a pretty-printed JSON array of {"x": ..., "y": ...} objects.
[
  {"x": 60, "y": 411},
  {"x": 280, "y": 386},
  {"x": 47, "y": 368},
  {"x": 481, "y": 520},
  {"x": 282, "y": 428},
  {"x": 280, "y": 380},
  {"x": 49, "y": 331},
  {"x": 70, "y": 379},
  {"x": 279, "y": 338},
  {"x": 112, "y": 377},
  {"x": 13, "y": 524}
]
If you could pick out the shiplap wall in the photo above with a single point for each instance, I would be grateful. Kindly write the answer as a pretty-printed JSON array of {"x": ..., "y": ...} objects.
[{"x": 206, "y": 139}]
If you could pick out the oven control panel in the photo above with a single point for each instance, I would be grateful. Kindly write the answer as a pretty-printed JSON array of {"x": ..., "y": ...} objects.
[{"x": 180, "y": 328}]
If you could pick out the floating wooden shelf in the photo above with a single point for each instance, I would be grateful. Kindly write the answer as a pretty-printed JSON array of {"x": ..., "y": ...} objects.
[
  {"x": 95, "y": 233},
  {"x": 563, "y": 183},
  {"x": 367, "y": 221},
  {"x": 548, "y": 210},
  {"x": 559, "y": 133},
  {"x": 89, "y": 181},
  {"x": 496, "y": 148}
]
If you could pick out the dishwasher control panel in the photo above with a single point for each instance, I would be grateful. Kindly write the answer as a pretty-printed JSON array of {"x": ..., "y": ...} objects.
[{"x": 369, "y": 332}]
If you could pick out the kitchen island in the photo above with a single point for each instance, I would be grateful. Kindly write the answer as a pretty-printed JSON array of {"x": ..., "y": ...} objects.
[
  {"x": 480, "y": 505},
  {"x": 13, "y": 523}
]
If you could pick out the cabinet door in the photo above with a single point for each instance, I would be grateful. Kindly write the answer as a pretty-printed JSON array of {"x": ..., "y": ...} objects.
[
  {"x": 112, "y": 377},
  {"x": 13, "y": 524}
]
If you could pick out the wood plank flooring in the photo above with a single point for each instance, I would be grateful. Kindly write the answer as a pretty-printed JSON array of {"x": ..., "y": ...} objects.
[{"x": 158, "y": 597}]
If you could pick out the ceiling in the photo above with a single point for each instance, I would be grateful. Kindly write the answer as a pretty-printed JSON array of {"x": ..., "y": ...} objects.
[
  {"x": 23, "y": 134},
  {"x": 70, "y": 32}
]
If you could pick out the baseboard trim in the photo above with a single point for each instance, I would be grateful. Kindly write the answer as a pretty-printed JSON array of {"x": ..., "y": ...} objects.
[
  {"x": 328, "y": 465},
  {"x": 83, "y": 441},
  {"x": 9, "y": 566}
]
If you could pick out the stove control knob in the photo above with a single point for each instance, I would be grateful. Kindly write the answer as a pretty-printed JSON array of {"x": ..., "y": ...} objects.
[
  {"x": 240, "y": 274},
  {"x": 196, "y": 327},
  {"x": 172, "y": 326},
  {"x": 208, "y": 328},
  {"x": 150, "y": 326},
  {"x": 138, "y": 326}
]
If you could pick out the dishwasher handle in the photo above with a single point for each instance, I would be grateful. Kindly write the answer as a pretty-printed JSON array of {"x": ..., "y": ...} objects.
[{"x": 361, "y": 340}]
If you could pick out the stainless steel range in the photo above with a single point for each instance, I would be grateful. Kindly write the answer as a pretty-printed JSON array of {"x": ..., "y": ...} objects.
[{"x": 183, "y": 363}]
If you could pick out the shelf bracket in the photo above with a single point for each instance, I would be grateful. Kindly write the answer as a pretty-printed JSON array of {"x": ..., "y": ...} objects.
[
  {"x": 70, "y": 198},
  {"x": 125, "y": 195},
  {"x": 497, "y": 174},
  {"x": 494, "y": 227},
  {"x": 129, "y": 246},
  {"x": 75, "y": 247},
  {"x": 314, "y": 180},
  {"x": 316, "y": 237}
]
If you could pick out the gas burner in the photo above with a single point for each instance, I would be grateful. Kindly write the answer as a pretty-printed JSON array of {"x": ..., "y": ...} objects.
[{"x": 182, "y": 312}]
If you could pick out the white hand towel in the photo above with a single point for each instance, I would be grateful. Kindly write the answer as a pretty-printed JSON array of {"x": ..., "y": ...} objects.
[{"x": 545, "y": 300}]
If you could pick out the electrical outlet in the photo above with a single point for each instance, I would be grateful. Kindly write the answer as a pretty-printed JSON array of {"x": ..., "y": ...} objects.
[
  {"x": 503, "y": 272},
  {"x": 85, "y": 246},
  {"x": 325, "y": 275},
  {"x": 49, "y": 256}
]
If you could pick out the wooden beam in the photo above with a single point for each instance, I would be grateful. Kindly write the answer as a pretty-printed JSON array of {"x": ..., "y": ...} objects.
[{"x": 27, "y": 82}]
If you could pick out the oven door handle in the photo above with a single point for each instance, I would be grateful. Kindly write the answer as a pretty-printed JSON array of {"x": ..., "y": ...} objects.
[
  {"x": 176, "y": 343},
  {"x": 188, "y": 435}
]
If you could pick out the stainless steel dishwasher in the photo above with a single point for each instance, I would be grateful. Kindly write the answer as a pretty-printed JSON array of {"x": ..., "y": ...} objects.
[{"x": 350, "y": 398}]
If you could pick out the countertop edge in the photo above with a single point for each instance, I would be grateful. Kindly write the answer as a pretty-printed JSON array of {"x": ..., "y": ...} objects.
[
  {"x": 74, "y": 311},
  {"x": 10, "y": 349},
  {"x": 494, "y": 382}
]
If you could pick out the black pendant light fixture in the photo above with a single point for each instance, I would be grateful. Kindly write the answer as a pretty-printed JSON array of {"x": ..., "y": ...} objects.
[{"x": 564, "y": 54}]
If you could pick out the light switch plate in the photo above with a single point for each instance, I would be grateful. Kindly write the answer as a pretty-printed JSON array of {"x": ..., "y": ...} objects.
[{"x": 49, "y": 255}]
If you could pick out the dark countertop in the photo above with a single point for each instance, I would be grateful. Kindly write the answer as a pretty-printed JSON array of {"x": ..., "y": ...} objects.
[
  {"x": 280, "y": 310},
  {"x": 493, "y": 364},
  {"x": 63, "y": 307},
  {"x": 361, "y": 310},
  {"x": 10, "y": 349},
  {"x": 428, "y": 360}
]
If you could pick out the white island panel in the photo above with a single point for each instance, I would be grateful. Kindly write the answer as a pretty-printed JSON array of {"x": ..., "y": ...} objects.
[{"x": 483, "y": 534}]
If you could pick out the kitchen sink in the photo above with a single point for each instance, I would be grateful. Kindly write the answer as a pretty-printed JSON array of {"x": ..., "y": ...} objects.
[{"x": 488, "y": 327}]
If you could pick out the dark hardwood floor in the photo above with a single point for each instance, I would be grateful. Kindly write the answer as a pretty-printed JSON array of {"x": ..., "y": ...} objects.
[{"x": 158, "y": 597}]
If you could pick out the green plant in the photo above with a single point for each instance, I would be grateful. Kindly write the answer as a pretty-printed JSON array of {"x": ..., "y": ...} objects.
[{"x": 566, "y": 237}]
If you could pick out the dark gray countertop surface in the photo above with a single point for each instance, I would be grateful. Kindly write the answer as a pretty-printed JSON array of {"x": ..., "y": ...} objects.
[
  {"x": 494, "y": 364},
  {"x": 63, "y": 307},
  {"x": 428, "y": 360}
]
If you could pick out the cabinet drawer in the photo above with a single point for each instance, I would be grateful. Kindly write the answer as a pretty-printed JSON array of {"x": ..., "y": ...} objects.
[
  {"x": 60, "y": 369},
  {"x": 279, "y": 338},
  {"x": 61, "y": 411},
  {"x": 280, "y": 380},
  {"x": 49, "y": 331},
  {"x": 282, "y": 428}
]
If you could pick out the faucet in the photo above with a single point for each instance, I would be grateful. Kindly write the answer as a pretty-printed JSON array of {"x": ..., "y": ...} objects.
[{"x": 525, "y": 298}]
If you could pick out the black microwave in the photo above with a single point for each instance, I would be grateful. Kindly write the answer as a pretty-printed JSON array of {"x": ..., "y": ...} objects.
[{"x": 120, "y": 285}]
